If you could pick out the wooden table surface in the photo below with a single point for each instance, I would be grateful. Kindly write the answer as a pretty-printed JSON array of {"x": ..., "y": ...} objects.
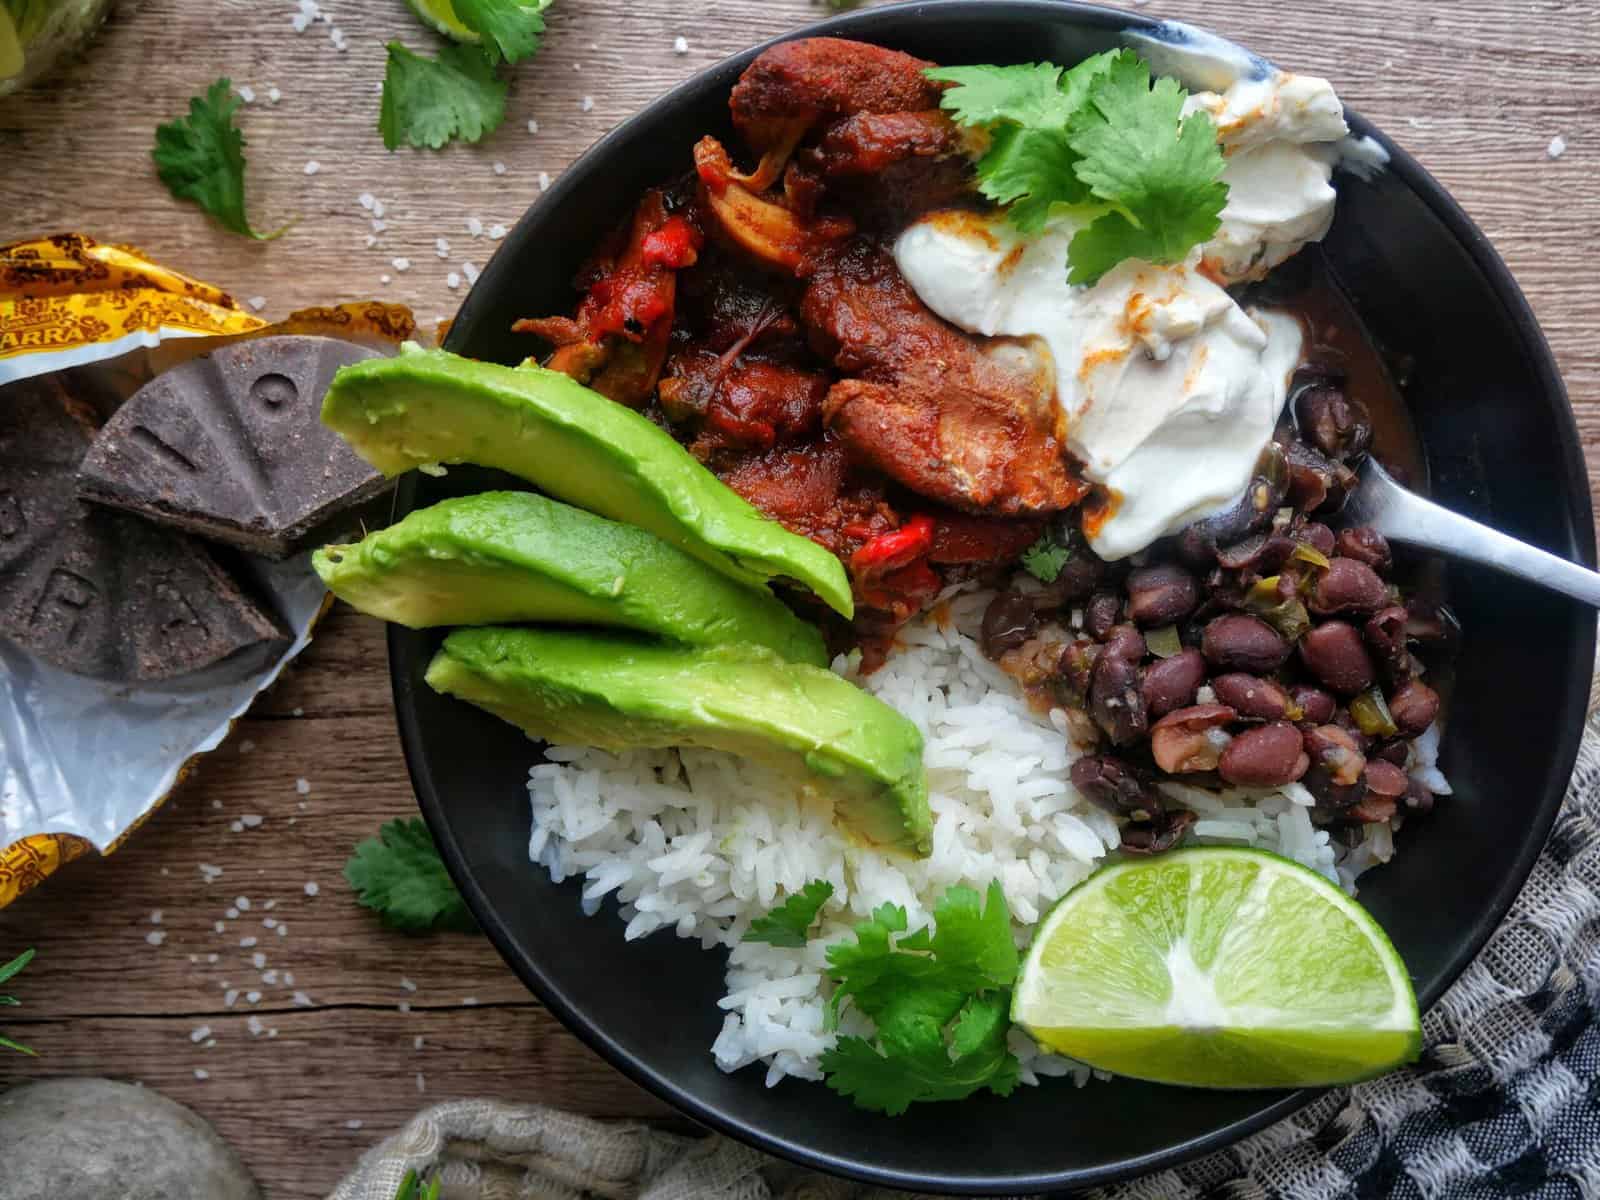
[{"x": 1477, "y": 90}]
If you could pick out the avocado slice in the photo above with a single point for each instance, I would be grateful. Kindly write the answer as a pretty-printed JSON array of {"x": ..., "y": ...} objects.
[
  {"x": 507, "y": 557},
  {"x": 620, "y": 693},
  {"x": 428, "y": 406}
]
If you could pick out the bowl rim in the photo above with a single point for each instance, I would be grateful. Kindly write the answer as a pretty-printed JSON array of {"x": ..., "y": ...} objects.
[{"x": 879, "y": 24}]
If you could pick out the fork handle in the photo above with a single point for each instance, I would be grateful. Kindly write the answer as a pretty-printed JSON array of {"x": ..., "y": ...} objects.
[{"x": 1405, "y": 517}]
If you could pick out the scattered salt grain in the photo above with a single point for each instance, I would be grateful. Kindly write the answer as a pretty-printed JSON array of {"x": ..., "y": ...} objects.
[
  {"x": 336, "y": 36},
  {"x": 470, "y": 270},
  {"x": 283, "y": 931},
  {"x": 246, "y": 746},
  {"x": 577, "y": 66},
  {"x": 383, "y": 279},
  {"x": 586, "y": 104},
  {"x": 210, "y": 872},
  {"x": 474, "y": 226},
  {"x": 219, "y": 927},
  {"x": 312, "y": 888},
  {"x": 246, "y": 942},
  {"x": 246, "y": 93},
  {"x": 404, "y": 1006},
  {"x": 231, "y": 912},
  {"x": 301, "y": 22},
  {"x": 230, "y": 997},
  {"x": 680, "y": 45},
  {"x": 497, "y": 231},
  {"x": 272, "y": 1033},
  {"x": 366, "y": 200},
  {"x": 312, "y": 167},
  {"x": 236, "y": 826},
  {"x": 422, "y": 1084},
  {"x": 499, "y": 168},
  {"x": 302, "y": 786},
  {"x": 533, "y": 126},
  {"x": 257, "y": 302},
  {"x": 201, "y": 1073},
  {"x": 252, "y": 997},
  {"x": 300, "y": 998},
  {"x": 407, "y": 984},
  {"x": 250, "y": 820},
  {"x": 211, "y": 958},
  {"x": 416, "y": 1042},
  {"x": 268, "y": 905},
  {"x": 452, "y": 281},
  {"x": 441, "y": 247},
  {"x": 273, "y": 95},
  {"x": 544, "y": 181},
  {"x": 155, "y": 916},
  {"x": 255, "y": 1026},
  {"x": 1557, "y": 146},
  {"x": 242, "y": 903},
  {"x": 401, "y": 264},
  {"x": 352, "y": 1124},
  {"x": 288, "y": 979},
  {"x": 209, "y": 1044},
  {"x": 378, "y": 210},
  {"x": 269, "y": 976},
  {"x": 269, "y": 922},
  {"x": 199, "y": 1034},
  {"x": 469, "y": 1001},
  {"x": 155, "y": 937},
  {"x": 258, "y": 960}
]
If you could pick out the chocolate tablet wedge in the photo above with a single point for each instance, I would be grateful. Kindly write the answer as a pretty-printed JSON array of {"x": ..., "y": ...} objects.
[
  {"x": 101, "y": 593},
  {"x": 231, "y": 446}
]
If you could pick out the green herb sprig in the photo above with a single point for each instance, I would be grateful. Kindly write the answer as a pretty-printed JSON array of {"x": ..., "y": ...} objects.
[
  {"x": 400, "y": 875},
  {"x": 6, "y": 972}
]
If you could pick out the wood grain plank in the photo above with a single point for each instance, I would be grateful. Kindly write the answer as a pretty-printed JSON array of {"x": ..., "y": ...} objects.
[{"x": 1475, "y": 89}]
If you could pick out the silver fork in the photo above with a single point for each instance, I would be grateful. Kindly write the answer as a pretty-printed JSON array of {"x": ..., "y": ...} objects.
[{"x": 1405, "y": 517}]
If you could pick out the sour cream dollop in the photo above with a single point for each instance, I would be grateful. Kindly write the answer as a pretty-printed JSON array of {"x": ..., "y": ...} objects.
[{"x": 1168, "y": 390}]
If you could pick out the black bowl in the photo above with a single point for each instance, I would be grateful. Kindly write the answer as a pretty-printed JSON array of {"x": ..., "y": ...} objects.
[{"x": 1500, "y": 444}]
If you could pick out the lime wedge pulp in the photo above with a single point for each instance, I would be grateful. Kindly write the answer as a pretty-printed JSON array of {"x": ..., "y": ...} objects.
[
  {"x": 440, "y": 16},
  {"x": 1218, "y": 967},
  {"x": 11, "y": 56}
]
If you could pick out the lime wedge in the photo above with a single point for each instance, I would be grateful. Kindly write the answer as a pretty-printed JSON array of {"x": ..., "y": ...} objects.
[
  {"x": 11, "y": 56},
  {"x": 1218, "y": 967},
  {"x": 438, "y": 15}
]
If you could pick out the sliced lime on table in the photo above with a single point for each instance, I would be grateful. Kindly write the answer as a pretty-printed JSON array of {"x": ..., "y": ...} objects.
[
  {"x": 1218, "y": 967},
  {"x": 439, "y": 15}
]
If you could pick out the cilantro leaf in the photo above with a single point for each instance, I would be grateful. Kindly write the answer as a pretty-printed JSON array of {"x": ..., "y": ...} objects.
[
  {"x": 1158, "y": 168},
  {"x": 788, "y": 924},
  {"x": 1045, "y": 558},
  {"x": 939, "y": 1001},
  {"x": 510, "y": 29},
  {"x": 400, "y": 875},
  {"x": 1100, "y": 141},
  {"x": 7, "y": 970},
  {"x": 201, "y": 158},
  {"x": 428, "y": 101}
]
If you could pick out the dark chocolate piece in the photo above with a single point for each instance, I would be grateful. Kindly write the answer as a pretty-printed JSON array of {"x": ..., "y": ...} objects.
[
  {"x": 101, "y": 593},
  {"x": 231, "y": 446}
]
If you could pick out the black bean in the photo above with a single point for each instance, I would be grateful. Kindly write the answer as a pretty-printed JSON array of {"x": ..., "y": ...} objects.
[
  {"x": 1114, "y": 786},
  {"x": 1418, "y": 798},
  {"x": 1336, "y": 751},
  {"x": 1316, "y": 483},
  {"x": 1336, "y": 655},
  {"x": 1373, "y": 809},
  {"x": 1318, "y": 536},
  {"x": 1102, "y": 612},
  {"x": 1009, "y": 621},
  {"x": 1395, "y": 750},
  {"x": 1181, "y": 743},
  {"x": 1253, "y": 510},
  {"x": 1159, "y": 836},
  {"x": 1316, "y": 706},
  {"x": 1115, "y": 701},
  {"x": 1332, "y": 422},
  {"x": 1385, "y": 632},
  {"x": 1161, "y": 595},
  {"x": 1266, "y": 756},
  {"x": 1366, "y": 544},
  {"x": 1333, "y": 799},
  {"x": 1414, "y": 707},
  {"x": 1384, "y": 778},
  {"x": 1254, "y": 698},
  {"x": 1236, "y": 642},
  {"x": 1079, "y": 576},
  {"x": 1171, "y": 683},
  {"x": 1348, "y": 586}
]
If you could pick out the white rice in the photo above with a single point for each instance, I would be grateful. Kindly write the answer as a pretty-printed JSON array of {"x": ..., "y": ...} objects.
[{"x": 703, "y": 842}]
